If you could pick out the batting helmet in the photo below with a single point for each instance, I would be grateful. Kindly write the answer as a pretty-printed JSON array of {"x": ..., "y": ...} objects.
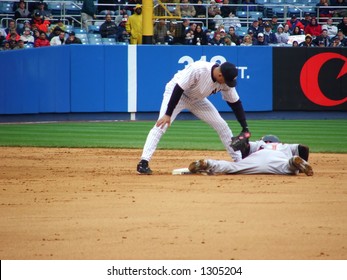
[{"x": 270, "y": 138}]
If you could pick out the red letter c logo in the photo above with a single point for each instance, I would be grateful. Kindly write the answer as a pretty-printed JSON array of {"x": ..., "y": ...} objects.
[{"x": 309, "y": 78}]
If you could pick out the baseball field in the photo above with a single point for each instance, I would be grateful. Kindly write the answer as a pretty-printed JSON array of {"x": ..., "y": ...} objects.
[{"x": 70, "y": 191}]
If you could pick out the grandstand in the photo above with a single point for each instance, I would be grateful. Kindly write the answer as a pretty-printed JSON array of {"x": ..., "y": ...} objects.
[{"x": 69, "y": 12}]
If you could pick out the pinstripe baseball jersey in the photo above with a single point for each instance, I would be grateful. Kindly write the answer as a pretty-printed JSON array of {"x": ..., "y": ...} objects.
[{"x": 197, "y": 83}]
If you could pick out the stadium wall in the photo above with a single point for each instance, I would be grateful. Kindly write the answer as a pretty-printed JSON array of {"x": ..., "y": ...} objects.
[{"x": 131, "y": 79}]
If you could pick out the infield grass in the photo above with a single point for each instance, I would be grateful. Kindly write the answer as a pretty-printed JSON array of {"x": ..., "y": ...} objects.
[{"x": 320, "y": 135}]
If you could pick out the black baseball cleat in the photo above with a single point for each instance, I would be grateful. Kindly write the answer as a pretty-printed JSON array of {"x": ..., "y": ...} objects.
[{"x": 143, "y": 168}]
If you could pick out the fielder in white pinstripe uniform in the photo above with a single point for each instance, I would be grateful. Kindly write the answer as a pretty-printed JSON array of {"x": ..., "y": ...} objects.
[{"x": 189, "y": 89}]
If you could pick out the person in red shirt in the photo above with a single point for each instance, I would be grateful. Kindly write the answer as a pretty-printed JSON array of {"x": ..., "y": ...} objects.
[
  {"x": 294, "y": 22},
  {"x": 42, "y": 41},
  {"x": 313, "y": 28}
]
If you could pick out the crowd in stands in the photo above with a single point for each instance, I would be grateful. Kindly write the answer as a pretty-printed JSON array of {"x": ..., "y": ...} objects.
[{"x": 327, "y": 27}]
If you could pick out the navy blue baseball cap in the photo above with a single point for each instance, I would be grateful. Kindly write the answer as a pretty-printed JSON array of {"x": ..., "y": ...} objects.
[{"x": 229, "y": 72}]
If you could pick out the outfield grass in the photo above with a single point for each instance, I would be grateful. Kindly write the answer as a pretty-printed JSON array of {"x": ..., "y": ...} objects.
[{"x": 320, "y": 135}]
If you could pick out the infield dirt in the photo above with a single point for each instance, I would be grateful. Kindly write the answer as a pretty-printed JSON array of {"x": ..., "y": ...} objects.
[{"x": 59, "y": 203}]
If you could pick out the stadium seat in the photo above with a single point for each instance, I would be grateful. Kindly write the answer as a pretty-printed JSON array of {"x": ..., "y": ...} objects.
[
  {"x": 279, "y": 11},
  {"x": 6, "y": 8},
  {"x": 94, "y": 35},
  {"x": 72, "y": 9},
  {"x": 242, "y": 31},
  {"x": 293, "y": 2},
  {"x": 79, "y": 31},
  {"x": 279, "y": 2},
  {"x": 94, "y": 28},
  {"x": 262, "y": 2},
  {"x": 255, "y": 15},
  {"x": 55, "y": 8},
  {"x": 241, "y": 14}
]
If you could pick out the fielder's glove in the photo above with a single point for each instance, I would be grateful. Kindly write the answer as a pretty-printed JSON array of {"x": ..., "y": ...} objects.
[{"x": 241, "y": 141}]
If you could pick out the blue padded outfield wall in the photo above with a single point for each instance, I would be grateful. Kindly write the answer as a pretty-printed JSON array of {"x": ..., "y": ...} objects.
[{"x": 128, "y": 78}]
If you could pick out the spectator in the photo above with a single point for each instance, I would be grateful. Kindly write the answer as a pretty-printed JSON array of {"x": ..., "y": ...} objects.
[
  {"x": 340, "y": 11},
  {"x": 261, "y": 40},
  {"x": 247, "y": 40},
  {"x": 55, "y": 32},
  {"x": 269, "y": 36},
  {"x": 13, "y": 35},
  {"x": 11, "y": 27},
  {"x": 88, "y": 13},
  {"x": 228, "y": 42},
  {"x": 171, "y": 32},
  {"x": 336, "y": 43},
  {"x": 343, "y": 25},
  {"x": 330, "y": 27},
  {"x": 107, "y": 7},
  {"x": 199, "y": 36},
  {"x": 39, "y": 22},
  {"x": 323, "y": 10},
  {"x": 42, "y": 41},
  {"x": 261, "y": 22},
  {"x": 274, "y": 23},
  {"x": 3, "y": 35},
  {"x": 72, "y": 39},
  {"x": 59, "y": 24},
  {"x": 5, "y": 46},
  {"x": 109, "y": 28},
  {"x": 233, "y": 36},
  {"x": 188, "y": 40},
  {"x": 36, "y": 33},
  {"x": 180, "y": 34},
  {"x": 217, "y": 40},
  {"x": 213, "y": 10},
  {"x": 232, "y": 20},
  {"x": 256, "y": 28},
  {"x": 294, "y": 22},
  {"x": 295, "y": 44},
  {"x": 121, "y": 8},
  {"x": 282, "y": 37},
  {"x": 297, "y": 31},
  {"x": 306, "y": 20},
  {"x": 22, "y": 11},
  {"x": 134, "y": 26},
  {"x": 323, "y": 38},
  {"x": 123, "y": 35},
  {"x": 13, "y": 39},
  {"x": 43, "y": 10},
  {"x": 313, "y": 28},
  {"x": 160, "y": 32},
  {"x": 186, "y": 9},
  {"x": 200, "y": 10},
  {"x": 342, "y": 38},
  {"x": 27, "y": 37},
  {"x": 253, "y": 36},
  {"x": 308, "y": 41},
  {"x": 132, "y": 5},
  {"x": 58, "y": 40},
  {"x": 226, "y": 9},
  {"x": 20, "y": 45}
]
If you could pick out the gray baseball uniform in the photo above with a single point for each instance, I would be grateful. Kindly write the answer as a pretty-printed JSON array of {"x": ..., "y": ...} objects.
[
  {"x": 197, "y": 83},
  {"x": 267, "y": 158}
]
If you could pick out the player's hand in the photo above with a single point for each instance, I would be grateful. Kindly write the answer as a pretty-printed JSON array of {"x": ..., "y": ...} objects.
[{"x": 164, "y": 120}]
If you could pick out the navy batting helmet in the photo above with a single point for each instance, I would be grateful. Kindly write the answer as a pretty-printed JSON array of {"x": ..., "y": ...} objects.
[{"x": 270, "y": 138}]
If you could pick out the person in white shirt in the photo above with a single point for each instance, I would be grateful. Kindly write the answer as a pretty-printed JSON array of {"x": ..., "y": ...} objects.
[
  {"x": 27, "y": 37},
  {"x": 58, "y": 40},
  {"x": 330, "y": 27}
]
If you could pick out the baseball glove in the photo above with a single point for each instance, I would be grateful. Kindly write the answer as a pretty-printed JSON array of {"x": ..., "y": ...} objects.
[{"x": 241, "y": 141}]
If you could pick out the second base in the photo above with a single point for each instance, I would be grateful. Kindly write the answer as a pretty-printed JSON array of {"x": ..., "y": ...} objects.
[{"x": 181, "y": 171}]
